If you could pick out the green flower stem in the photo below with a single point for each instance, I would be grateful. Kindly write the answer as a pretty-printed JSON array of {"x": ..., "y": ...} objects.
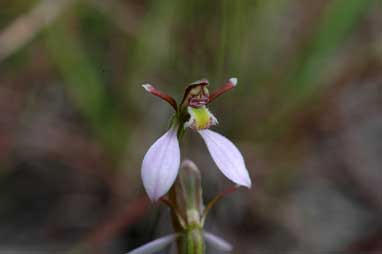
[
  {"x": 191, "y": 241},
  {"x": 191, "y": 238}
]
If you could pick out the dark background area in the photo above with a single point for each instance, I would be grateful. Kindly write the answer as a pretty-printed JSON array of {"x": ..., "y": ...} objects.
[{"x": 75, "y": 122}]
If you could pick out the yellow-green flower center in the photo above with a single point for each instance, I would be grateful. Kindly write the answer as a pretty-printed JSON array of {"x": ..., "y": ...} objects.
[{"x": 200, "y": 118}]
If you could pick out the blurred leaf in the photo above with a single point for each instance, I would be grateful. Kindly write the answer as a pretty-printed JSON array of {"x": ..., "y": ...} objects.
[
  {"x": 150, "y": 50},
  {"x": 337, "y": 21},
  {"x": 85, "y": 86}
]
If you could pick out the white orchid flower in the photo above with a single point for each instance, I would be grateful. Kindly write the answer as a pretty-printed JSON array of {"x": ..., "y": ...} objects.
[{"x": 161, "y": 163}]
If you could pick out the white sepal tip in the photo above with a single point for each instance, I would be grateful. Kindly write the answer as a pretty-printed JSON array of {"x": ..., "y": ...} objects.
[
  {"x": 147, "y": 87},
  {"x": 233, "y": 81}
]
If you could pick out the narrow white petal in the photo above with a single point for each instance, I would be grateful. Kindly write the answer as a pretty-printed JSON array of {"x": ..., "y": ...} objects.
[
  {"x": 160, "y": 165},
  {"x": 227, "y": 157},
  {"x": 155, "y": 245},
  {"x": 217, "y": 242}
]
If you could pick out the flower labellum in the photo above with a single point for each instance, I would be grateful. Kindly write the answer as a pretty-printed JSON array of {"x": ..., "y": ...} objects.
[{"x": 200, "y": 118}]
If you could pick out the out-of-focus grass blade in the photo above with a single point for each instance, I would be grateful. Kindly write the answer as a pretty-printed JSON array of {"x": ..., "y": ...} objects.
[
  {"x": 152, "y": 45},
  {"x": 337, "y": 21},
  {"x": 84, "y": 84}
]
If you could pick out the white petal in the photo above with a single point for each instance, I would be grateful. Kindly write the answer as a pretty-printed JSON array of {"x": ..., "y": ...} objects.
[
  {"x": 155, "y": 245},
  {"x": 227, "y": 157},
  {"x": 217, "y": 242},
  {"x": 160, "y": 165}
]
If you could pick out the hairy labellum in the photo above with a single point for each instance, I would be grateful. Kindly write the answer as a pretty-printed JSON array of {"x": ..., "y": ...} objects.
[{"x": 200, "y": 118}]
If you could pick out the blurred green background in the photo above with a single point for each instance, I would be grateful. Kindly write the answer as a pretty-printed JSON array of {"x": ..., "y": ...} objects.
[{"x": 75, "y": 122}]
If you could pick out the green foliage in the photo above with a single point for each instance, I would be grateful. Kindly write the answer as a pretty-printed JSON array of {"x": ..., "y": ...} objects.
[{"x": 83, "y": 83}]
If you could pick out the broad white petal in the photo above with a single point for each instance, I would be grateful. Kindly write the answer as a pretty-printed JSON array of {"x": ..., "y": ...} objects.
[
  {"x": 160, "y": 165},
  {"x": 227, "y": 157},
  {"x": 217, "y": 242},
  {"x": 155, "y": 245}
]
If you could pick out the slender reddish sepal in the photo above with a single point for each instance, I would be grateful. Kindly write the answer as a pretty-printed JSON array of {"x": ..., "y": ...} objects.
[
  {"x": 225, "y": 88},
  {"x": 216, "y": 199},
  {"x": 149, "y": 88}
]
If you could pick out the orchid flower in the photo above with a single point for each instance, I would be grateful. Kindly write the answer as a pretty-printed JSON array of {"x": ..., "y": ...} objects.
[{"x": 161, "y": 163}]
